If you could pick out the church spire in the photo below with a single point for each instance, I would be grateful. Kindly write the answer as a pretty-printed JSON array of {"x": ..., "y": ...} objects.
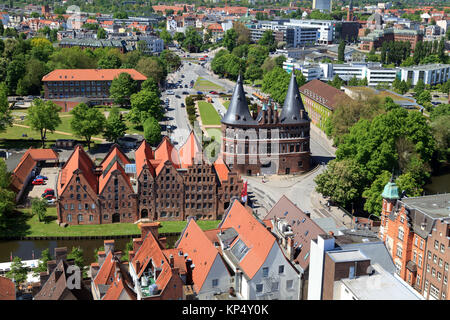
[
  {"x": 293, "y": 110},
  {"x": 238, "y": 112}
]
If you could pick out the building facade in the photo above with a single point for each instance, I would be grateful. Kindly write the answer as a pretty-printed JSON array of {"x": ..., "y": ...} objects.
[
  {"x": 430, "y": 74},
  {"x": 268, "y": 141},
  {"x": 416, "y": 232},
  {"x": 162, "y": 184}
]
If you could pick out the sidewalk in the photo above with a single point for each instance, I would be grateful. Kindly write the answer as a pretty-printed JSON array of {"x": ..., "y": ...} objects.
[{"x": 341, "y": 218}]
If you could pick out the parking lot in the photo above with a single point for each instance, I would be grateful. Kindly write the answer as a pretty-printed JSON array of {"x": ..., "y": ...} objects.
[{"x": 52, "y": 174}]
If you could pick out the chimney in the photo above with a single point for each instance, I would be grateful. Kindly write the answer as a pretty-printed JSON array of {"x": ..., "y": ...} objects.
[
  {"x": 290, "y": 248},
  {"x": 308, "y": 214},
  {"x": 138, "y": 267},
  {"x": 130, "y": 255},
  {"x": 51, "y": 265},
  {"x": 188, "y": 271},
  {"x": 101, "y": 258},
  {"x": 94, "y": 270},
  {"x": 43, "y": 277},
  {"x": 150, "y": 227},
  {"x": 136, "y": 244},
  {"x": 171, "y": 260},
  {"x": 60, "y": 254},
  {"x": 163, "y": 242},
  {"x": 109, "y": 246}
]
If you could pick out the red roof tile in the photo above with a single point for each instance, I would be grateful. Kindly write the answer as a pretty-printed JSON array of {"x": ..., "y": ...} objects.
[
  {"x": 90, "y": 74},
  {"x": 222, "y": 169},
  {"x": 191, "y": 149},
  {"x": 323, "y": 93},
  {"x": 143, "y": 155},
  {"x": 7, "y": 289},
  {"x": 254, "y": 234},
  {"x": 166, "y": 152},
  {"x": 200, "y": 250}
]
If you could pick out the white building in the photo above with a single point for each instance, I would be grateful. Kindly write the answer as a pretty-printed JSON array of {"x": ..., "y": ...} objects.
[
  {"x": 326, "y": 28},
  {"x": 431, "y": 74},
  {"x": 310, "y": 71},
  {"x": 210, "y": 274},
  {"x": 354, "y": 272},
  {"x": 262, "y": 272}
]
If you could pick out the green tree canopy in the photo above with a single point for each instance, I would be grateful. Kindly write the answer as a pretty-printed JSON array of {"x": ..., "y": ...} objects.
[
  {"x": 152, "y": 131},
  {"x": 43, "y": 116},
  {"x": 87, "y": 122},
  {"x": 39, "y": 208},
  {"x": 18, "y": 272},
  {"x": 115, "y": 126},
  {"x": 122, "y": 88},
  {"x": 145, "y": 104}
]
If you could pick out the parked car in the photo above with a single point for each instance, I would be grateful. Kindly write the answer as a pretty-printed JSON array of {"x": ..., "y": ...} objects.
[
  {"x": 38, "y": 181},
  {"x": 185, "y": 85},
  {"x": 49, "y": 196},
  {"x": 48, "y": 192},
  {"x": 170, "y": 92},
  {"x": 177, "y": 96},
  {"x": 182, "y": 76},
  {"x": 182, "y": 105},
  {"x": 213, "y": 92},
  {"x": 199, "y": 92},
  {"x": 41, "y": 177},
  {"x": 51, "y": 201},
  {"x": 185, "y": 92}
]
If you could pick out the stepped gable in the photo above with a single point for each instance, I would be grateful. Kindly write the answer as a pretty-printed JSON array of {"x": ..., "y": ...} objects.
[
  {"x": 143, "y": 156},
  {"x": 238, "y": 112},
  {"x": 166, "y": 152},
  {"x": 293, "y": 105},
  {"x": 189, "y": 151},
  {"x": 79, "y": 160}
]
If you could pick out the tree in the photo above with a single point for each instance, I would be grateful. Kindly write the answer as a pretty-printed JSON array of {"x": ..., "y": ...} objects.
[
  {"x": 15, "y": 70},
  {"x": 337, "y": 82},
  {"x": 165, "y": 36},
  {"x": 441, "y": 134},
  {"x": 193, "y": 40},
  {"x": 354, "y": 81},
  {"x": 151, "y": 67},
  {"x": 253, "y": 73},
  {"x": 115, "y": 127},
  {"x": 6, "y": 118},
  {"x": 77, "y": 255},
  {"x": 43, "y": 116},
  {"x": 152, "y": 131},
  {"x": 268, "y": 40},
  {"x": 111, "y": 60},
  {"x": 101, "y": 33},
  {"x": 243, "y": 33},
  {"x": 128, "y": 248},
  {"x": 145, "y": 104},
  {"x": 171, "y": 60},
  {"x": 87, "y": 122},
  {"x": 42, "y": 266},
  {"x": 122, "y": 88},
  {"x": 424, "y": 97},
  {"x": 342, "y": 181},
  {"x": 18, "y": 272},
  {"x": 280, "y": 60},
  {"x": 230, "y": 39},
  {"x": 341, "y": 51},
  {"x": 373, "y": 197},
  {"x": 408, "y": 185},
  {"x": 39, "y": 208},
  {"x": 120, "y": 15},
  {"x": 151, "y": 85},
  {"x": 179, "y": 37},
  {"x": 7, "y": 196},
  {"x": 419, "y": 88}
]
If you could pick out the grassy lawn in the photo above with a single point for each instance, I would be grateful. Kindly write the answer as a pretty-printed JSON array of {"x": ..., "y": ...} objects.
[
  {"x": 206, "y": 85},
  {"x": 226, "y": 104},
  {"x": 216, "y": 133},
  {"x": 208, "y": 113},
  {"x": 23, "y": 223},
  {"x": 15, "y": 132}
]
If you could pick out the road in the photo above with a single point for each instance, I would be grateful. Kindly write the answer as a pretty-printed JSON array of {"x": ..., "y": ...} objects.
[{"x": 300, "y": 189}]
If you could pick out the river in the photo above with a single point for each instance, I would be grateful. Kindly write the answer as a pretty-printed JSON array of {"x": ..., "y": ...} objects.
[
  {"x": 439, "y": 184},
  {"x": 25, "y": 248}
]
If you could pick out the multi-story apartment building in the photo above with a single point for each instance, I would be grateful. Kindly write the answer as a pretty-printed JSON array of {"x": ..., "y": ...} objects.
[
  {"x": 416, "y": 232},
  {"x": 322, "y": 5},
  {"x": 162, "y": 184},
  {"x": 89, "y": 43},
  {"x": 267, "y": 140},
  {"x": 93, "y": 84},
  {"x": 430, "y": 74}
]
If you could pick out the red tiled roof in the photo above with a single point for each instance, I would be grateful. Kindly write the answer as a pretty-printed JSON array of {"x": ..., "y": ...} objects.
[
  {"x": 300, "y": 223},
  {"x": 222, "y": 169},
  {"x": 43, "y": 154},
  {"x": 7, "y": 289},
  {"x": 104, "y": 178},
  {"x": 254, "y": 234},
  {"x": 21, "y": 172},
  {"x": 328, "y": 95},
  {"x": 91, "y": 74},
  {"x": 166, "y": 152},
  {"x": 105, "y": 274},
  {"x": 200, "y": 250},
  {"x": 189, "y": 151},
  {"x": 143, "y": 155},
  {"x": 114, "y": 152},
  {"x": 79, "y": 159}
]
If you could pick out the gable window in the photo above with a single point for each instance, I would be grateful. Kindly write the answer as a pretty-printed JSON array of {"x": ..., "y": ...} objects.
[
  {"x": 280, "y": 269},
  {"x": 259, "y": 288}
]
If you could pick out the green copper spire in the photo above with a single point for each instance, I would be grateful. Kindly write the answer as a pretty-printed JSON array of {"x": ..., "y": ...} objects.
[{"x": 390, "y": 191}]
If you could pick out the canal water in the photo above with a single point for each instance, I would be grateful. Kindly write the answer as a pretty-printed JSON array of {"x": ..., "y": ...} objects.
[
  {"x": 26, "y": 248},
  {"x": 439, "y": 184}
]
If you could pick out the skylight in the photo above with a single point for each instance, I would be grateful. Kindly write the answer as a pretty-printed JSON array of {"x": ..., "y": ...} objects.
[{"x": 239, "y": 250}]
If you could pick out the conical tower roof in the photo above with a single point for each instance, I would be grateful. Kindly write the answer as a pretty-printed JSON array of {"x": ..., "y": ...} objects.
[
  {"x": 390, "y": 190},
  {"x": 290, "y": 113},
  {"x": 238, "y": 112}
]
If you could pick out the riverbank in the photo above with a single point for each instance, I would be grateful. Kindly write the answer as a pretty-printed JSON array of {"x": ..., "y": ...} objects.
[{"x": 23, "y": 225}]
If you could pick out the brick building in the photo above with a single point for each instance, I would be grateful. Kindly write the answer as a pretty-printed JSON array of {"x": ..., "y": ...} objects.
[
  {"x": 90, "y": 83},
  {"x": 376, "y": 38},
  {"x": 162, "y": 184},
  {"x": 277, "y": 142},
  {"x": 416, "y": 232}
]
